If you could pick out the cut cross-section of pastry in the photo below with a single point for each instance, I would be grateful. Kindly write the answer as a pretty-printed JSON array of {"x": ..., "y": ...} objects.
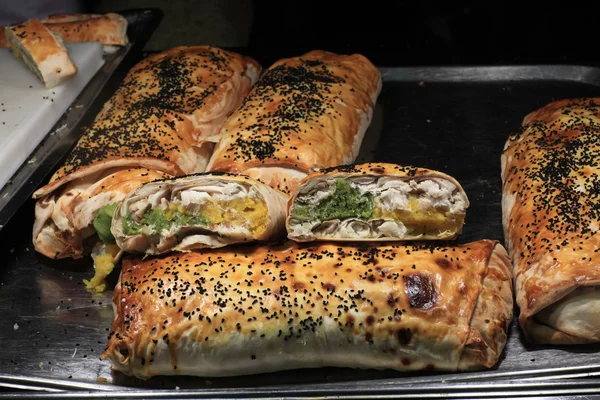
[
  {"x": 198, "y": 211},
  {"x": 376, "y": 201},
  {"x": 42, "y": 50}
]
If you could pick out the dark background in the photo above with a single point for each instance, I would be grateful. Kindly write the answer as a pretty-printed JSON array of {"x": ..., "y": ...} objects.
[
  {"x": 390, "y": 33},
  {"x": 432, "y": 33}
]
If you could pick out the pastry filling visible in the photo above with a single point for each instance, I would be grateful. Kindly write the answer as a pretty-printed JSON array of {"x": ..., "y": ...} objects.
[
  {"x": 376, "y": 207},
  {"x": 248, "y": 213},
  {"x": 105, "y": 257},
  {"x": 161, "y": 218},
  {"x": 103, "y": 221},
  {"x": 24, "y": 55},
  {"x": 344, "y": 202}
]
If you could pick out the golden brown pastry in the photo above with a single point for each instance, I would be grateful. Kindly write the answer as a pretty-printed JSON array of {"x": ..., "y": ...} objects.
[
  {"x": 198, "y": 211},
  {"x": 376, "y": 201},
  {"x": 42, "y": 50},
  {"x": 248, "y": 309},
  {"x": 108, "y": 29},
  {"x": 160, "y": 118},
  {"x": 304, "y": 113},
  {"x": 551, "y": 217}
]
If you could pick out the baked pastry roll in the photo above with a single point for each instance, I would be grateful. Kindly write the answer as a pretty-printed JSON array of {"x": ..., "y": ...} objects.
[
  {"x": 376, "y": 201},
  {"x": 109, "y": 29},
  {"x": 42, "y": 50},
  {"x": 304, "y": 113},
  {"x": 158, "y": 119},
  {"x": 253, "y": 309},
  {"x": 201, "y": 84},
  {"x": 551, "y": 218},
  {"x": 207, "y": 210}
]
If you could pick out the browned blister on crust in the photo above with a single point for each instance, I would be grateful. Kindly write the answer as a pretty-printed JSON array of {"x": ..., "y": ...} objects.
[
  {"x": 304, "y": 113},
  {"x": 551, "y": 217},
  {"x": 250, "y": 309}
]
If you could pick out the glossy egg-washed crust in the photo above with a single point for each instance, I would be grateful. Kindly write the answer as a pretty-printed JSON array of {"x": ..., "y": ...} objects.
[
  {"x": 374, "y": 169},
  {"x": 152, "y": 120},
  {"x": 304, "y": 113},
  {"x": 252, "y": 309},
  {"x": 551, "y": 209}
]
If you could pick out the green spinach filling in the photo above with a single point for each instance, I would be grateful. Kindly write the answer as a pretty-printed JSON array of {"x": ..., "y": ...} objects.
[
  {"x": 345, "y": 202},
  {"x": 157, "y": 219},
  {"x": 103, "y": 221}
]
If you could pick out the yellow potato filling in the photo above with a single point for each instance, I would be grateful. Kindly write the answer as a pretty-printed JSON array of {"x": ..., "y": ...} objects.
[
  {"x": 429, "y": 223},
  {"x": 103, "y": 266},
  {"x": 238, "y": 211}
]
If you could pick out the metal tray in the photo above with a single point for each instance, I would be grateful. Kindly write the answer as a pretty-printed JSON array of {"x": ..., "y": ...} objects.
[
  {"x": 65, "y": 133},
  {"x": 451, "y": 119}
]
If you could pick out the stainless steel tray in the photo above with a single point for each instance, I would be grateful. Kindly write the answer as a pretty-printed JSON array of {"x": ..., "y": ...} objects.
[{"x": 452, "y": 119}]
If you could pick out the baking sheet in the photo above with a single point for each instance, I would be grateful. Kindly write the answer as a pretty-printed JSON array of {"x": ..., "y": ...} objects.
[{"x": 450, "y": 119}]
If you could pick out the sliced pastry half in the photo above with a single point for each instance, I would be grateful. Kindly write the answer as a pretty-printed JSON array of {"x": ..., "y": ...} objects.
[
  {"x": 207, "y": 210},
  {"x": 42, "y": 50},
  {"x": 376, "y": 201}
]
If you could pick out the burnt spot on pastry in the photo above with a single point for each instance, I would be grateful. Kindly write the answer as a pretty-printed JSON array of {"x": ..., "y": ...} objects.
[
  {"x": 350, "y": 319},
  {"x": 391, "y": 300},
  {"x": 298, "y": 285},
  {"x": 421, "y": 291},
  {"x": 404, "y": 336},
  {"x": 369, "y": 337},
  {"x": 405, "y": 361},
  {"x": 443, "y": 263},
  {"x": 370, "y": 320},
  {"x": 330, "y": 287}
]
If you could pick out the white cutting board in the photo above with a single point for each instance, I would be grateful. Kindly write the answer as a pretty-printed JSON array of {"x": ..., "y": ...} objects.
[{"x": 28, "y": 110}]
